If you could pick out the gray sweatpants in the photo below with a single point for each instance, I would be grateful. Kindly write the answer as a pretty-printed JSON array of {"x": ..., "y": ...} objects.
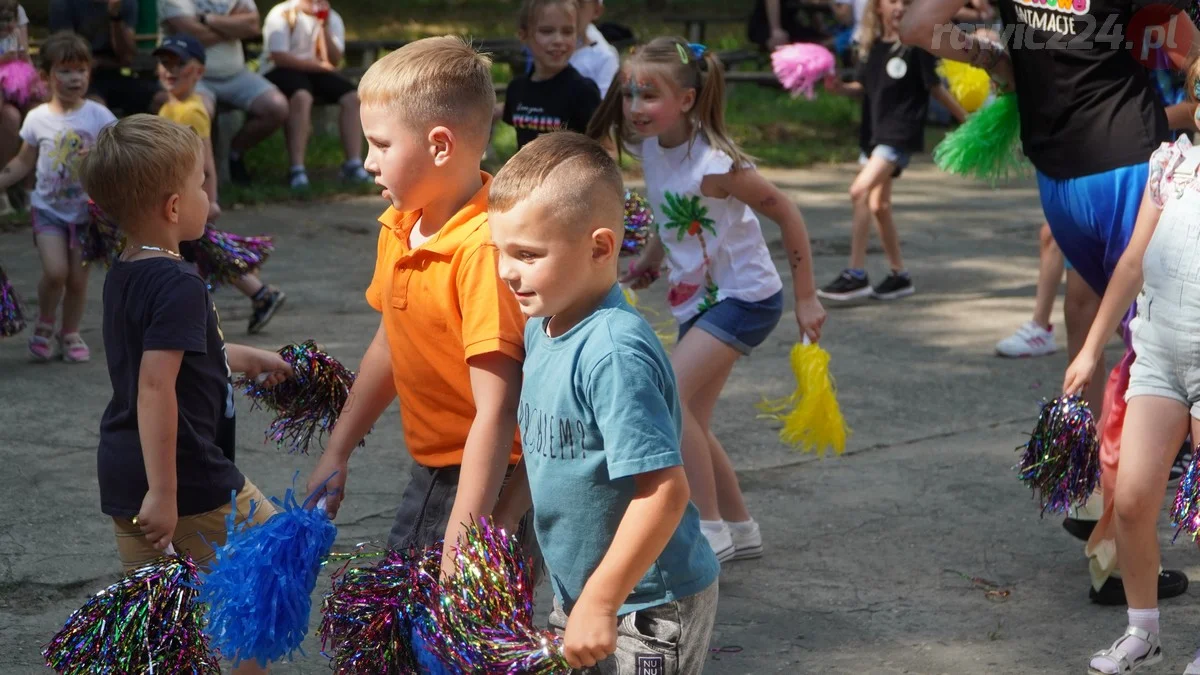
[{"x": 670, "y": 639}]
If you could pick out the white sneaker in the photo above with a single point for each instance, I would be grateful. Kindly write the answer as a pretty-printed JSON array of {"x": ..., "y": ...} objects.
[
  {"x": 719, "y": 538},
  {"x": 747, "y": 540},
  {"x": 1029, "y": 340},
  {"x": 6, "y": 208}
]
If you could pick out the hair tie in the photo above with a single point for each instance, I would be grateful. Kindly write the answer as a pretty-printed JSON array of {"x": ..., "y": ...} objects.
[{"x": 697, "y": 49}]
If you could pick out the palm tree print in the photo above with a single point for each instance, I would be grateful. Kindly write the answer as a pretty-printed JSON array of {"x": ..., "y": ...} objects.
[{"x": 689, "y": 218}]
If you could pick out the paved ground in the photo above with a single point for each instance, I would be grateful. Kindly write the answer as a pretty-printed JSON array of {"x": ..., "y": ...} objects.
[{"x": 877, "y": 562}]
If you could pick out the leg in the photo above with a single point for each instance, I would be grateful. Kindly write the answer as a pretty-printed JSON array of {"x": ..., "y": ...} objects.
[
  {"x": 1079, "y": 310},
  {"x": 267, "y": 112},
  {"x": 872, "y": 174},
  {"x": 76, "y": 291},
  {"x": 10, "y": 127},
  {"x": 351, "y": 127},
  {"x": 53, "y": 250},
  {"x": 248, "y": 285},
  {"x": 299, "y": 125},
  {"x": 730, "y": 502},
  {"x": 1050, "y": 271},
  {"x": 880, "y": 203}
]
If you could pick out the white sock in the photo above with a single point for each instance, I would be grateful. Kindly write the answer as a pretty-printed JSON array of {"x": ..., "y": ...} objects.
[
  {"x": 746, "y": 527},
  {"x": 711, "y": 526},
  {"x": 1134, "y": 648},
  {"x": 297, "y": 168}
]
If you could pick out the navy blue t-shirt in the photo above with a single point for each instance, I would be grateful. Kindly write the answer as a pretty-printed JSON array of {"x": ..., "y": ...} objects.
[{"x": 163, "y": 304}]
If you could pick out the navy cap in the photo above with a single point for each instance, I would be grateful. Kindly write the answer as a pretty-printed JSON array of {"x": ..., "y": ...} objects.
[{"x": 182, "y": 45}]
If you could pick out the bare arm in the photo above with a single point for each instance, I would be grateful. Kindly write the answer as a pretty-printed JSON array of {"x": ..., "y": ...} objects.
[
  {"x": 120, "y": 35},
  {"x": 289, "y": 60},
  {"x": 835, "y": 85},
  {"x": 192, "y": 26},
  {"x": 496, "y": 388},
  {"x": 929, "y": 24},
  {"x": 1181, "y": 116},
  {"x": 158, "y": 424},
  {"x": 19, "y": 166},
  {"x": 240, "y": 24},
  {"x": 941, "y": 95},
  {"x": 515, "y": 500},
  {"x": 331, "y": 46}
]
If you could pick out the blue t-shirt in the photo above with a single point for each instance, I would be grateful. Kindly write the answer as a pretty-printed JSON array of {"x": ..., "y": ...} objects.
[{"x": 599, "y": 407}]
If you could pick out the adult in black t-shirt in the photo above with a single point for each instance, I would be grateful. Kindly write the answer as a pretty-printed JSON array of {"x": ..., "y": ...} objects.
[
  {"x": 565, "y": 101},
  {"x": 109, "y": 28}
]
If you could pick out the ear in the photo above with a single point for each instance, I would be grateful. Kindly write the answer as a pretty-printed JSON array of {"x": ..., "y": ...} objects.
[
  {"x": 604, "y": 246},
  {"x": 688, "y": 101},
  {"x": 442, "y": 144},
  {"x": 171, "y": 209}
]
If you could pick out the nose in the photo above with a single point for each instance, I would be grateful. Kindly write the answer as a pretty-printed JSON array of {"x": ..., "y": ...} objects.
[
  {"x": 371, "y": 163},
  {"x": 506, "y": 270}
]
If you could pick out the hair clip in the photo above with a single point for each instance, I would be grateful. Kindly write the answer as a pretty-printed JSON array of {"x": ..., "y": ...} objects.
[
  {"x": 1196, "y": 89},
  {"x": 697, "y": 49},
  {"x": 683, "y": 55}
]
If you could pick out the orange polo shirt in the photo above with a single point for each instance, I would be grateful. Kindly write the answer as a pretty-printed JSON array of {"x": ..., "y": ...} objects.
[{"x": 442, "y": 303}]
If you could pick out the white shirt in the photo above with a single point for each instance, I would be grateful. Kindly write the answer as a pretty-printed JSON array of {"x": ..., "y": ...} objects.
[
  {"x": 598, "y": 62},
  {"x": 59, "y": 140},
  {"x": 715, "y": 247},
  {"x": 287, "y": 29},
  {"x": 10, "y": 42},
  {"x": 224, "y": 59}
]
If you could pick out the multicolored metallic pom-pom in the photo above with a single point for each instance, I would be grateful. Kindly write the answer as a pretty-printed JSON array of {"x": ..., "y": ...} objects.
[
  {"x": 102, "y": 241},
  {"x": 12, "y": 318},
  {"x": 1185, "y": 512},
  {"x": 366, "y": 627},
  {"x": 1061, "y": 461},
  {"x": 639, "y": 221},
  {"x": 260, "y": 586},
  {"x": 224, "y": 257},
  {"x": 307, "y": 405},
  {"x": 148, "y": 622},
  {"x": 483, "y": 622}
]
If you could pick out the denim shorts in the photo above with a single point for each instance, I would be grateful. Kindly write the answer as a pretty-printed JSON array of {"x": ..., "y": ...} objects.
[
  {"x": 739, "y": 324},
  {"x": 892, "y": 154},
  {"x": 45, "y": 222}
]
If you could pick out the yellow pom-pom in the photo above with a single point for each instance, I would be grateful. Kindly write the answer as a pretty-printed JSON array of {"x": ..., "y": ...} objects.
[
  {"x": 968, "y": 85},
  {"x": 812, "y": 419}
]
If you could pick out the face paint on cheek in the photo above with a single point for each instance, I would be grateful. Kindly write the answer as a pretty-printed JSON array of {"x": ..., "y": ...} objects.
[
  {"x": 70, "y": 79},
  {"x": 637, "y": 93}
]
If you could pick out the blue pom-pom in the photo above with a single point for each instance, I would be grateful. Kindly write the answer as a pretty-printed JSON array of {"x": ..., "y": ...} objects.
[
  {"x": 428, "y": 662},
  {"x": 259, "y": 591}
]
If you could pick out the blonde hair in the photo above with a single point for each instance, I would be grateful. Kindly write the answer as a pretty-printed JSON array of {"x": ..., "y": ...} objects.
[
  {"x": 685, "y": 70},
  {"x": 137, "y": 163},
  {"x": 570, "y": 169},
  {"x": 438, "y": 80},
  {"x": 531, "y": 8}
]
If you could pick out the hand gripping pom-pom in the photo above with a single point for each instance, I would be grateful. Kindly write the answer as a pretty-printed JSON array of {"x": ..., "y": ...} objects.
[
  {"x": 12, "y": 317},
  {"x": 1185, "y": 511},
  {"x": 307, "y": 405},
  {"x": 260, "y": 586},
  {"x": 987, "y": 146},
  {"x": 812, "y": 419},
  {"x": 148, "y": 622},
  {"x": 639, "y": 221},
  {"x": 1061, "y": 461},
  {"x": 801, "y": 66}
]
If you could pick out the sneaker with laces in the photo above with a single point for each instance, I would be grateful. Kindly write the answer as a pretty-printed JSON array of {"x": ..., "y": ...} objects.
[
  {"x": 265, "y": 308},
  {"x": 747, "y": 540},
  {"x": 298, "y": 180},
  {"x": 719, "y": 539},
  {"x": 1029, "y": 340},
  {"x": 353, "y": 172},
  {"x": 894, "y": 287},
  {"x": 847, "y": 287}
]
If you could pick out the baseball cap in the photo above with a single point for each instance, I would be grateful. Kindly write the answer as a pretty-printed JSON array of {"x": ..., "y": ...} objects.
[{"x": 182, "y": 45}]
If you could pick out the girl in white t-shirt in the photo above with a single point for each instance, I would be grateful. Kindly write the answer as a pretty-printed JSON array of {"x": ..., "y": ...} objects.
[{"x": 667, "y": 107}]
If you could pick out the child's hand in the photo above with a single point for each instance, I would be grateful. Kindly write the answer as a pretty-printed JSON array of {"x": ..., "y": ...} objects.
[
  {"x": 641, "y": 273},
  {"x": 263, "y": 362},
  {"x": 157, "y": 518},
  {"x": 833, "y": 83},
  {"x": 591, "y": 635},
  {"x": 1079, "y": 373},
  {"x": 810, "y": 314},
  {"x": 329, "y": 479}
]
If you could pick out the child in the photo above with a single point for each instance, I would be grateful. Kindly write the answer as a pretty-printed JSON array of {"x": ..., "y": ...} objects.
[
  {"x": 164, "y": 477},
  {"x": 450, "y": 341},
  {"x": 1163, "y": 397},
  {"x": 594, "y": 58},
  {"x": 55, "y": 136},
  {"x": 723, "y": 281},
  {"x": 19, "y": 83},
  {"x": 554, "y": 96},
  {"x": 635, "y": 585},
  {"x": 180, "y": 67},
  {"x": 895, "y": 83}
]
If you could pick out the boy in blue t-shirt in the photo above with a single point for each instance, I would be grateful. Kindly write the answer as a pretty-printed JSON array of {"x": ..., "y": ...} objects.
[{"x": 634, "y": 581}]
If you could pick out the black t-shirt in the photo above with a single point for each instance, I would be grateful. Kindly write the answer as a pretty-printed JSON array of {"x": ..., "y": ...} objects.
[
  {"x": 1087, "y": 106},
  {"x": 90, "y": 19},
  {"x": 896, "y": 81},
  {"x": 565, "y": 101},
  {"x": 162, "y": 304},
  {"x": 758, "y": 28}
]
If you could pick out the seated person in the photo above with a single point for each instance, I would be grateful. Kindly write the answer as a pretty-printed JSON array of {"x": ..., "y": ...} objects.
[{"x": 108, "y": 25}]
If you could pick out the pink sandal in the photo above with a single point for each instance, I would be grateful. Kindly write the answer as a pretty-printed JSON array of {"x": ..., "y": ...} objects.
[
  {"x": 74, "y": 349},
  {"x": 42, "y": 342}
]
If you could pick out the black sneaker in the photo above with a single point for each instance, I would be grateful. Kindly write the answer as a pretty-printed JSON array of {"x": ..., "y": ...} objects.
[
  {"x": 894, "y": 287},
  {"x": 1171, "y": 583},
  {"x": 847, "y": 287},
  {"x": 265, "y": 308},
  {"x": 238, "y": 172}
]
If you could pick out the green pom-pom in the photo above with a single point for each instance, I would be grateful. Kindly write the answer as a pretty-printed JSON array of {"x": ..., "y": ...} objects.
[{"x": 987, "y": 146}]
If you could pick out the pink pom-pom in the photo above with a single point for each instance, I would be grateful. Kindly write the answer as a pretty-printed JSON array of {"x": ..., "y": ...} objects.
[
  {"x": 801, "y": 66},
  {"x": 21, "y": 83}
]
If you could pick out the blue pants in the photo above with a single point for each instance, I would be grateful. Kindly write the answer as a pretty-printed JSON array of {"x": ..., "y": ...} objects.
[{"x": 1092, "y": 217}]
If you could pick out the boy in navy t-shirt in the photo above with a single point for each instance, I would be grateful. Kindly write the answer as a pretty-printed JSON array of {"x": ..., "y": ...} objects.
[{"x": 634, "y": 581}]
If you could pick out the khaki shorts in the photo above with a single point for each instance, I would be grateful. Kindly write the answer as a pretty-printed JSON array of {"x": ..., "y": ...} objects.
[{"x": 196, "y": 535}]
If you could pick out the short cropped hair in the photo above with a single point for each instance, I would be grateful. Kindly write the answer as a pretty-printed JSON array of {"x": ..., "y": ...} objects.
[
  {"x": 437, "y": 80},
  {"x": 531, "y": 8},
  {"x": 63, "y": 47},
  {"x": 137, "y": 163},
  {"x": 573, "y": 171}
]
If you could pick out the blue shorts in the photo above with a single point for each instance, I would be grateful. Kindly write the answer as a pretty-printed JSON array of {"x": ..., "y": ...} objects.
[
  {"x": 892, "y": 154},
  {"x": 1092, "y": 217},
  {"x": 739, "y": 324}
]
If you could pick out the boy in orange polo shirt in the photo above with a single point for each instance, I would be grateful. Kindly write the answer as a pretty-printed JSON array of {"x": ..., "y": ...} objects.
[{"x": 450, "y": 342}]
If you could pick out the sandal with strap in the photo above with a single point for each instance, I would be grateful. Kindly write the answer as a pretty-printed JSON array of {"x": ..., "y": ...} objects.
[
  {"x": 42, "y": 343},
  {"x": 74, "y": 349},
  {"x": 1121, "y": 660}
]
